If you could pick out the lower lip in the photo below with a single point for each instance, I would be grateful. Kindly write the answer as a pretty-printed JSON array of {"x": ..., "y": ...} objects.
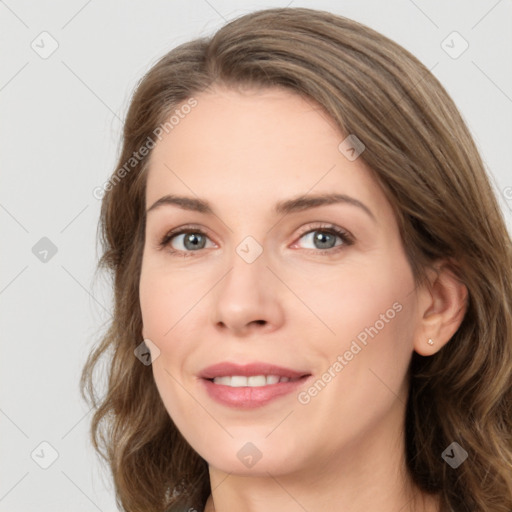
[{"x": 250, "y": 397}]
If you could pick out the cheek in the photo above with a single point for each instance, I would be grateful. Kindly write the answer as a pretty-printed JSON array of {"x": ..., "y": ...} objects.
[
  {"x": 358, "y": 296},
  {"x": 166, "y": 299},
  {"x": 372, "y": 312},
  {"x": 170, "y": 303}
]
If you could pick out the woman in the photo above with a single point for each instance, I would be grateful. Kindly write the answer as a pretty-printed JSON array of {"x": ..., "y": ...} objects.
[{"x": 301, "y": 230}]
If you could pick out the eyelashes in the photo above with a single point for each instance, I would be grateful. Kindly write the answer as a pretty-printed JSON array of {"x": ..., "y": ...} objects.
[{"x": 195, "y": 233}]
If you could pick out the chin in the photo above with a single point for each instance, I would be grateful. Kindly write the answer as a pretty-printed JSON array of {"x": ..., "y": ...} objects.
[{"x": 251, "y": 455}]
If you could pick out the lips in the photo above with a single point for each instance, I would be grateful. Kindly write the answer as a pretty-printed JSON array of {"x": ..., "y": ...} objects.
[{"x": 251, "y": 385}]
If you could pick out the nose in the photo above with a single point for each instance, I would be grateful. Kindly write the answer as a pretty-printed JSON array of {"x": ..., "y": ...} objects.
[{"x": 249, "y": 298}]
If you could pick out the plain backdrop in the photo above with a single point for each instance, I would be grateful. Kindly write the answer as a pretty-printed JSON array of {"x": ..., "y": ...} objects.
[{"x": 68, "y": 71}]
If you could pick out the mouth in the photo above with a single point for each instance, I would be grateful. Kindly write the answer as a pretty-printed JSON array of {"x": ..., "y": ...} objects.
[{"x": 252, "y": 385}]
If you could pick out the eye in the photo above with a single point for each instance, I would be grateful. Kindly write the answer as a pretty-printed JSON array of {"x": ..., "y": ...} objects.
[
  {"x": 184, "y": 240},
  {"x": 323, "y": 239}
]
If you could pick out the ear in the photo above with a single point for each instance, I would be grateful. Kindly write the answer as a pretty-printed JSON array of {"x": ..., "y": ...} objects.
[{"x": 442, "y": 306}]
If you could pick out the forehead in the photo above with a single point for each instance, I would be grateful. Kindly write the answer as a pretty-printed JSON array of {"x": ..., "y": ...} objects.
[{"x": 256, "y": 146}]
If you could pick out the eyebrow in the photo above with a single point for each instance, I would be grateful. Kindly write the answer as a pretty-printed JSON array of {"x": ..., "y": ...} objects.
[{"x": 295, "y": 204}]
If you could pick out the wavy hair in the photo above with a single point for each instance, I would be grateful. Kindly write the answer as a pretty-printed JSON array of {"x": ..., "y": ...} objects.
[{"x": 423, "y": 155}]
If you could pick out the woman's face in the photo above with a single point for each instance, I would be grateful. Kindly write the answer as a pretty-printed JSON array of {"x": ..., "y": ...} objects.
[{"x": 260, "y": 279}]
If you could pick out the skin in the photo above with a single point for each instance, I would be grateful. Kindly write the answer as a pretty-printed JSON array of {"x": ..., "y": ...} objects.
[{"x": 294, "y": 306}]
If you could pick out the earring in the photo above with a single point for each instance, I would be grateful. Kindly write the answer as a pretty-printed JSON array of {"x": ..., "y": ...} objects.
[{"x": 430, "y": 341}]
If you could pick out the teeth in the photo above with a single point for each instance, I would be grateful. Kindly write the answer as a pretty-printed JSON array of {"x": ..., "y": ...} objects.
[
  {"x": 255, "y": 381},
  {"x": 238, "y": 381},
  {"x": 226, "y": 381}
]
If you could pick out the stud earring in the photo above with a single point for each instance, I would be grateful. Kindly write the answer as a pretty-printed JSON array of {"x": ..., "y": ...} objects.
[{"x": 430, "y": 341}]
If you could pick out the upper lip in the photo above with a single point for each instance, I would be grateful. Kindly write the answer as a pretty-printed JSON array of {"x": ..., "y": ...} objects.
[{"x": 226, "y": 369}]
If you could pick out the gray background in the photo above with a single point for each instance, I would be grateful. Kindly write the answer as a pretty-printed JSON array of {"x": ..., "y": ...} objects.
[{"x": 60, "y": 127}]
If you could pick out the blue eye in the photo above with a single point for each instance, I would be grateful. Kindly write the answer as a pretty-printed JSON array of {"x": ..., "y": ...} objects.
[
  {"x": 190, "y": 240},
  {"x": 325, "y": 238}
]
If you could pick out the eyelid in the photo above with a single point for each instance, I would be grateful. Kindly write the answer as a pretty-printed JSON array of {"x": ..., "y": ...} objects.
[{"x": 329, "y": 227}]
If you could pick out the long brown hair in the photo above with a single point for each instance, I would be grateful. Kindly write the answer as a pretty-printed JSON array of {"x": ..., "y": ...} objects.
[{"x": 424, "y": 157}]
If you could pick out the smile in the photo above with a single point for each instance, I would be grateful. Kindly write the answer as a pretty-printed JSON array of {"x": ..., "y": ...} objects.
[{"x": 251, "y": 385}]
